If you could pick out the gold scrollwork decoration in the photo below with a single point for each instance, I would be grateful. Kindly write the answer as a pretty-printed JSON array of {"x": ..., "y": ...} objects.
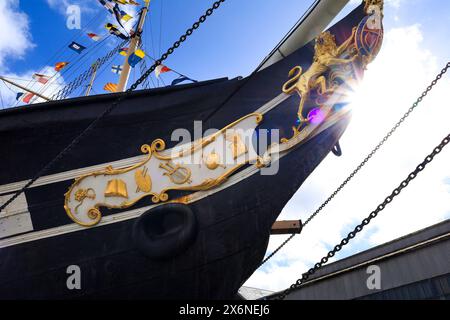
[
  {"x": 81, "y": 194},
  {"x": 326, "y": 55},
  {"x": 159, "y": 145},
  {"x": 94, "y": 213},
  {"x": 237, "y": 146},
  {"x": 212, "y": 161},
  {"x": 177, "y": 173},
  {"x": 143, "y": 180},
  {"x": 116, "y": 188}
]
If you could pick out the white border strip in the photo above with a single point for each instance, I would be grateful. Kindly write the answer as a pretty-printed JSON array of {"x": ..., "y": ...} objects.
[
  {"x": 126, "y": 215},
  {"x": 130, "y": 214},
  {"x": 72, "y": 174}
]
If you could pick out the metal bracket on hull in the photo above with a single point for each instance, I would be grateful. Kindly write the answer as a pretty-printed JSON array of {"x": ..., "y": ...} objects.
[{"x": 286, "y": 227}]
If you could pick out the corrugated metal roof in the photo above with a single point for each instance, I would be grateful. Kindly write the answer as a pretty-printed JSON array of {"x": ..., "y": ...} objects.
[{"x": 414, "y": 258}]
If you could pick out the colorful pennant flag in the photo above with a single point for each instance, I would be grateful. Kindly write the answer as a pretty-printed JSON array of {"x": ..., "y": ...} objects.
[
  {"x": 113, "y": 8},
  {"x": 93, "y": 36},
  {"x": 112, "y": 87},
  {"x": 180, "y": 79},
  {"x": 125, "y": 16},
  {"x": 108, "y": 4},
  {"x": 136, "y": 57},
  {"x": 113, "y": 30},
  {"x": 41, "y": 78},
  {"x": 126, "y": 2},
  {"x": 123, "y": 51},
  {"x": 116, "y": 69},
  {"x": 60, "y": 65},
  {"x": 78, "y": 48},
  {"x": 24, "y": 97},
  {"x": 161, "y": 69}
]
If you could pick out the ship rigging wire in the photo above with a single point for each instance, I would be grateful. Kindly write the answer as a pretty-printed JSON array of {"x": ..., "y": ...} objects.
[
  {"x": 73, "y": 68},
  {"x": 1, "y": 97},
  {"x": 160, "y": 26},
  {"x": 144, "y": 77},
  {"x": 420, "y": 167},
  {"x": 78, "y": 81},
  {"x": 59, "y": 53},
  {"x": 365, "y": 160},
  {"x": 114, "y": 104}
]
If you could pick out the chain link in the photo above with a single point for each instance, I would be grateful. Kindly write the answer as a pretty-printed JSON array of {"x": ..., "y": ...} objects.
[
  {"x": 366, "y": 159},
  {"x": 113, "y": 105},
  {"x": 367, "y": 220},
  {"x": 277, "y": 249}
]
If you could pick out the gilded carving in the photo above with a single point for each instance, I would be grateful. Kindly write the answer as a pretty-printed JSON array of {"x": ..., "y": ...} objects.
[
  {"x": 143, "y": 180},
  {"x": 237, "y": 146},
  {"x": 116, "y": 194},
  {"x": 81, "y": 194},
  {"x": 333, "y": 65},
  {"x": 212, "y": 161},
  {"x": 116, "y": 188},
  {"x": 326, "y": 55},
  {"x": 177, "y": 174},
  {"x": 370, "y": 3}
]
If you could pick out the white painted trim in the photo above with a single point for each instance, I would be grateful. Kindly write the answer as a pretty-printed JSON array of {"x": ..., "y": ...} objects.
[
  {"x": 15, "y": 218},
  {"x": 126, "y": 215},
  {"x": 72, "y": 174},
  {"x": 130, "y": 214},
  {"x": 68, "y": 175}
]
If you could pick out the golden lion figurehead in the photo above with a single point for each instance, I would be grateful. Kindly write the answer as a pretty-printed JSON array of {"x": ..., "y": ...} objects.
[
  {"x": 368, "y": 3},
  {"x": 325, "y": 43}
]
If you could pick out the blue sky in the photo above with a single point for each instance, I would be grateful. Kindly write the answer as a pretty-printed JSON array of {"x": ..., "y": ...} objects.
[
  {"x": 232, "y": 42},
  {"x": 224, "y": 46}
]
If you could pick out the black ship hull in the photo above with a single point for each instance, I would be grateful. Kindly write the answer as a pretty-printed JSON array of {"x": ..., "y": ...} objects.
[
  {"x": 232, "y": 224},
  {"x": 233, "y": 232}
]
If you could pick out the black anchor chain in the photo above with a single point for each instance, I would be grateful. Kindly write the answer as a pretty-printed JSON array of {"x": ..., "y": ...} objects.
[
  {"x": 366, "y": 159},
  {"x": 108, "y": 110},
  {"x": 367, "y": 220}
]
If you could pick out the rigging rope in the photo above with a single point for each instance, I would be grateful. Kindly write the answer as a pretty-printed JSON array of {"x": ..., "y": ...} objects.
[
  {"x": 101, "y": 69},
  {"x": 367, "y": 220},
  {"x": 58, "y": 53},
  {"x": 113, "y": 105},
  {"x": 78, "y": 81},
  {"x": 146, "y": 83},
  {"x": 73, "y": 67},
  {"x": 160, "y": 26},
  {"x": 1, "y": 97},
  {"x": 366, "y": 159}
]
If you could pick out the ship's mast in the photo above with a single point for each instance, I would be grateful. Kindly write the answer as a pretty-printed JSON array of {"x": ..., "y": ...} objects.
[
  {"x": 126, "y": 68},
  {"x": 91, "y": 83},
  {"x": 24, "y": 88}
]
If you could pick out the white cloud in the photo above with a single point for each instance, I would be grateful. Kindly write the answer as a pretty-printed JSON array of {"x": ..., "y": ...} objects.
[
  {"x": 91, "y": 6},
  {"x": 61, "y": 5},
  {"x": 15, "y": 44},
  {"x": 25, "y": 79},
  {"x": 402, "y": 70},
  {"x": 17, "y": 40}
]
